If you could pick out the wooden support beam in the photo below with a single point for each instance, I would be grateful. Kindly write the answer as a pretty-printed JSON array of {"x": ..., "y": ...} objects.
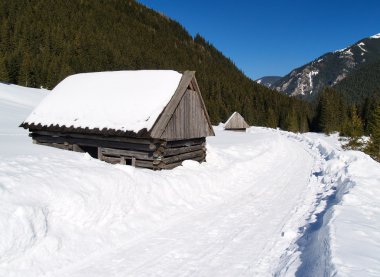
[
  {"x": 173, "y": 165},
  {"x": 182, "y": 143},
  {"x": 122, "y": 160},
  {"x": 128, "y": 153},
  {"x": 145, "y": 164},
  {"x": 182, "y": 157},
  {"x": 95, "y": 143},
  {"x": 100, "y": 137},
  {"x": 112, "y": 160},
  {"x": 100, "y": 154},
  {"x": 55, "y": 145}
]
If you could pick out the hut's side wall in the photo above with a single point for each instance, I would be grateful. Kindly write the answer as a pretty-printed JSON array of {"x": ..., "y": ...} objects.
[
  {"x": 188, "y": 120},
  {"x": 138, "y": 152}
]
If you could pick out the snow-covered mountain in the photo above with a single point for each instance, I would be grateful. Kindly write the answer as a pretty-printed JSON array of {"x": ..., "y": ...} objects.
[
  {"x": 260, "y": 206},
  {"x": 329, "y": 69},
  {"x": 268, "y": 81}
]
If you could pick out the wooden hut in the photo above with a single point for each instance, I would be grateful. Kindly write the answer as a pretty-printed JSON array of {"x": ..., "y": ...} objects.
[
  {"x": 148, "y": 118},
  {"x": 236, "y": 123}
]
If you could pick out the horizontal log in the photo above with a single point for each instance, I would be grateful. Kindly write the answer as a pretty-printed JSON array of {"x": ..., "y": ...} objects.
[
  {"x": 100, "y": 137},
  {"x": 182, "y": 150},
  {"x": 173, "y": 165},
  {"x": 56, "y": 145},
  {"x": 138, "y": 163},
  {"x": 127, "y": 153},
  {"x": 182, "y": 157},
  {"x": 94, "y": 143},
  {"x": 145, "y": 164},
  {"x": 181, "y": 143},
  {"x": 112, "y": 160}
]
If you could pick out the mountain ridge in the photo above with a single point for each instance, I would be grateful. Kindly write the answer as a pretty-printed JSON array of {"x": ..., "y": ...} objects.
[
  {"x": 268, "y": 81},
  {"x": 329, "y": 69}
]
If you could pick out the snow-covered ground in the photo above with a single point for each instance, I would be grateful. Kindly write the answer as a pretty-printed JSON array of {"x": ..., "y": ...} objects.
[{"x": 251, "y": 210}]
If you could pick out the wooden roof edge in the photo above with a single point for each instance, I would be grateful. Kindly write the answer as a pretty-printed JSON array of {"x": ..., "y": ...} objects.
[
  {"x": 204, "y": 106},
  {"x": 231, "y": 116},
  {"x": 143, "y": 133},
  {"x": 159, "y": 126}
]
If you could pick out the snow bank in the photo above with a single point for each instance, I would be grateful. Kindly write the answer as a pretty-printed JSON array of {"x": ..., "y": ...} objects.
[
  {"x": 355, "y": 225},
  {"x": 341, "y": 237},
  {"x": 16, "y": 103},
  {"x": 121, "y": 100},
  {"x": 20, "y": 96}
]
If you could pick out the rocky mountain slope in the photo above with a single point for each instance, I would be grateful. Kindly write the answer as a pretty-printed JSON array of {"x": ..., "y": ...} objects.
[
  {"x": 329, "y": 69},
  {"x": 268, "y": 81},
  {"x": 361, "y": 84}
]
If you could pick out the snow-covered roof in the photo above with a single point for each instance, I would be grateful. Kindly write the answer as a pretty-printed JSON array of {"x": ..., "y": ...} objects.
[{"x": 119, "y": 100}]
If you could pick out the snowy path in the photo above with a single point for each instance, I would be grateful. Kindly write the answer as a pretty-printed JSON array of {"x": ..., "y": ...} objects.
[{"x": 237, "y": 237}]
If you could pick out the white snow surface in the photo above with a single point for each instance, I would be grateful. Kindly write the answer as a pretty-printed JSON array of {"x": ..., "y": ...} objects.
[
  {"x": 376, "y": 36},
  {"x": 119, "y": 100},
  {"x": 239, "y": 214},
  {"x": 361, "y": 45},
  {"x": 355, "y": 223}
]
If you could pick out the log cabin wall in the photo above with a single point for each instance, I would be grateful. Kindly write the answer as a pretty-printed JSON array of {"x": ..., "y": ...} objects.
[{"x": 145, "y": 153}]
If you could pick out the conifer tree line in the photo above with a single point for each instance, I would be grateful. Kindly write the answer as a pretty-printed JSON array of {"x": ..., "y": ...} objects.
[
  {"x": 334, "y": 113},
  {"x": 43, "y": 41}
]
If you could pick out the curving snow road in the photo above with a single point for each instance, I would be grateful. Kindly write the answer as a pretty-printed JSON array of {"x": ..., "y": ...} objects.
[
  {"x": 240, "y": 235},
  {"x": 239, "y": 214}
]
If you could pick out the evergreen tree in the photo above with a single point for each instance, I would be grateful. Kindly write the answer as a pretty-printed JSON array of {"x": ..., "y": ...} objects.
[
  {"x": 353, "y": 128},
  {"x": 304, "y": 124},
  {"x": 271, "y": 119},
  {"x": 291, "y": 122},
  {"x": 374, "y": 146},
  {"x": 331, "y": 112},
  {"x": 3, "y": 71},
  {"x": 25, "y": 71}
]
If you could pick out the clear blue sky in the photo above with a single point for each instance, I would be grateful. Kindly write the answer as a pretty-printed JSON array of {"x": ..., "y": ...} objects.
[{"x": 271, "y": 37}]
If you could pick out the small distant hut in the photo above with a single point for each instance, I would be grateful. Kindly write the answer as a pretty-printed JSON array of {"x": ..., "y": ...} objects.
[
  {"x": 154, "y": 119},
  {"x": 236, "y": 123}
]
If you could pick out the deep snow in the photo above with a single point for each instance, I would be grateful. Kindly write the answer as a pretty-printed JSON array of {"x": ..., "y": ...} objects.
[{"x": 240, "y": 214}]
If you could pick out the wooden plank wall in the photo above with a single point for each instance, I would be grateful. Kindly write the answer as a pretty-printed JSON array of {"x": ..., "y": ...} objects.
[
  {"x": 164, "y": 155},
  {"x": 188, "y": 120}
]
